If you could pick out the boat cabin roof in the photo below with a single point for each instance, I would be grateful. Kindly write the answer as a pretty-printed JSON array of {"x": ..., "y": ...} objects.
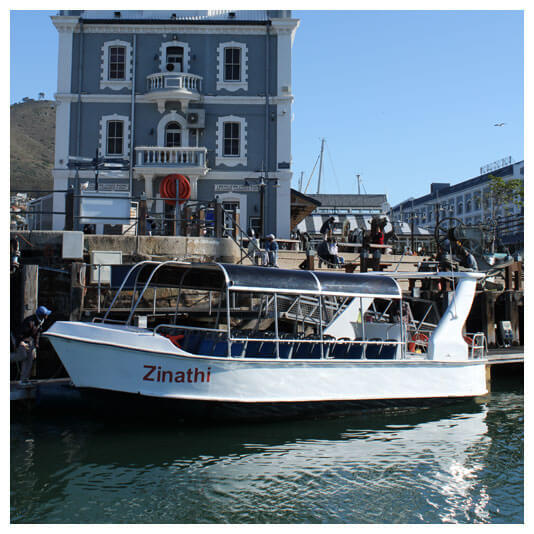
[{"x": 218, "y": 276}]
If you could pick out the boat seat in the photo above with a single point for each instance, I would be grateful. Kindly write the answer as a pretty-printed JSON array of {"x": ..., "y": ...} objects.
[
  {"x": 388, "y": 352},
  {"x": 205, "y": 347},
  {"x": 285, "y": 349},
  {"x": 267, "y": 350},
  {"x": 354, "y": 351},
  {"x": 191, "y": 342},
  {"x": 307, "y": 351},
  {"x": 373, "y": 349},
  {"x": 252, "y": 349}
]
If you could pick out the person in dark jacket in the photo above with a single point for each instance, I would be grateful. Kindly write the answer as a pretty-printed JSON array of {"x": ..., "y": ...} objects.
[
  {"x": 28, "y": 342},
  {"x": 327, "y": 228}
]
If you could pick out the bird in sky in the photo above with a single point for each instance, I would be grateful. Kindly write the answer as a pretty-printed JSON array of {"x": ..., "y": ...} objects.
[{"x": 499, "y": 124}]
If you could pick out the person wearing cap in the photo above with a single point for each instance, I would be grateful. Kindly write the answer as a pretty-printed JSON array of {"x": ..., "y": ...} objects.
[
  {"x": 271, "y": 246},
  {"x": 29, "y": 341}
]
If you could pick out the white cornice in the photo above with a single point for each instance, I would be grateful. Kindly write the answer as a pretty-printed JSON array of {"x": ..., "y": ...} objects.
[
  {"x": 287, "y": 26},
  {"x": 142, "y": 99},
  {"x": 65, "y": 24},
  {"x": 174, "y": 28}
]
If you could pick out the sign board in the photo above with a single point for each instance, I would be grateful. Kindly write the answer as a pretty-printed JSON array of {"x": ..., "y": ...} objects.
[
  {"x": 236, "y": 188},
  {"x": 499, "y": 164},
  {"x": 111, "y": 208}
]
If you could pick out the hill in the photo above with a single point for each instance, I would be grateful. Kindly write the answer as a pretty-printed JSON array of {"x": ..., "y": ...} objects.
[{"x": 33, "y": 131}]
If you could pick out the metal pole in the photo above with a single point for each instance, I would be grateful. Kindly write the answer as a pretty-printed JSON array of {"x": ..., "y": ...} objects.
[
  {"x": 320, "y": 167},
  {"x": 133, "y": 116},
  {"x": 276, "y": 325}
]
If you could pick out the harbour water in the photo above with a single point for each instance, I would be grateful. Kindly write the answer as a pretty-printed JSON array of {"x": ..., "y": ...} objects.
[{"x": 460, "y": 464}]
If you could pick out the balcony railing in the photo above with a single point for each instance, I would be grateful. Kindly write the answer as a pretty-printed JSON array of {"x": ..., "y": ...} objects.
[
  {"x": 157, "y": 156},
  {"x": 174, "y": 81}
]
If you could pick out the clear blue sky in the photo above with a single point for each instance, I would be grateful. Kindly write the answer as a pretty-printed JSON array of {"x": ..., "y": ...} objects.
[{"x": 404, "y": 98}]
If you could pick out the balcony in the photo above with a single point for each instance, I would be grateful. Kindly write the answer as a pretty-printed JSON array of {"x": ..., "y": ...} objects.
[
  {"x": 173, "y": 86},
  {"x": 157, "y": 159}
]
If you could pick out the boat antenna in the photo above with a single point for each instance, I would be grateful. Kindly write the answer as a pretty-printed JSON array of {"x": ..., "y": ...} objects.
[
  {"x": 358, "y": 178},
  {"x": 300, "y": 181}
]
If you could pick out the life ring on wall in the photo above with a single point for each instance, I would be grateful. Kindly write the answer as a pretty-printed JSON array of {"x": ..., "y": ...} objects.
[
  {"x": 167, "y": 188},
  {"x": 417, "y": 337}
]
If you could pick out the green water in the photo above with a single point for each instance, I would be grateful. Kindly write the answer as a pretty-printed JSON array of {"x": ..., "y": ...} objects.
[{"x": 455, "y": 465}]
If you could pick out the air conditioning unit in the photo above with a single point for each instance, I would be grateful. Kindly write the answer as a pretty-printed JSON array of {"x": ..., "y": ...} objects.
[{"x": 196, "y": 119}]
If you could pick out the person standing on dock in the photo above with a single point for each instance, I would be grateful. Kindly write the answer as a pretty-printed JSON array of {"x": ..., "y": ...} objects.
[
  {"x": 32, "y": 327},
  {"x": 327, "y": 228},
  {"x": 271, "y": 246}
]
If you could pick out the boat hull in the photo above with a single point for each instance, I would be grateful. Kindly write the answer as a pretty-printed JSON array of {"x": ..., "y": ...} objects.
[{"x": 149, "y": 371}]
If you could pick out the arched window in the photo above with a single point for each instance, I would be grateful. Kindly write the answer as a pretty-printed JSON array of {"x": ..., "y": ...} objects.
[{"x": 173, "y": 134}]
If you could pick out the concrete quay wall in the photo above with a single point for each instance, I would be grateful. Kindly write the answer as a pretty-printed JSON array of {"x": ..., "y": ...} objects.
[{"x": 48, "y": 244}]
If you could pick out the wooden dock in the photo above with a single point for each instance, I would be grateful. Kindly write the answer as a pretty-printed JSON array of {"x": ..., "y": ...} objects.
[{"x": 504, "y": 356}]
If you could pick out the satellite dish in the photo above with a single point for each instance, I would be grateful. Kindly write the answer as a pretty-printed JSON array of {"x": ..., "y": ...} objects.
[{"x": 170, "y": 67}]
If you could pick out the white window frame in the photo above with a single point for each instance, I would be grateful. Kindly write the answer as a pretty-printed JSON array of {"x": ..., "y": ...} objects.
[
  {"x": 163, "y": 55},
  {"x": 173, "y": 116},
  {"x": 103, "y": 143},
  {"x": 232, "y": 85},
  {"x": 105, "y": 81},
  {"x": 231, "y": 161}
]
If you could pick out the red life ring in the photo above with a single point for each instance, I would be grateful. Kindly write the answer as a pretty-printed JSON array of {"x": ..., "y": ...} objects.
[
  {"x": 167, "y": 188},
  {"x": 415, "y": 338}
]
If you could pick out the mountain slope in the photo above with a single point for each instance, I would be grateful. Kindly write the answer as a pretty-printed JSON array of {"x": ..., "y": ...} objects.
[{"x": 33, "y": 127}]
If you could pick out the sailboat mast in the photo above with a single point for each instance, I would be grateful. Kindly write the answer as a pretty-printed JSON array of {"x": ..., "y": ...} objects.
[{"x": 320, "y": 167}]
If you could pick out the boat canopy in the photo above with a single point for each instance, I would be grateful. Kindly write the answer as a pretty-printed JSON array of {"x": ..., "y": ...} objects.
[
  {"x": 272, "y": 280},
  {"x": 219, "y": 276}
]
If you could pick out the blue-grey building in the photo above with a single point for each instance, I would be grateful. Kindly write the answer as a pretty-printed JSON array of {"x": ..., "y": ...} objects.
[
  {"x": 206, "y": 94},
  {"x": 468, "y": 201}
]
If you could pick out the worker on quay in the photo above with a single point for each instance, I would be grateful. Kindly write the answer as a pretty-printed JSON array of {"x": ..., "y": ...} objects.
[
  {"x": 271, "y": 247},
  {"x": 253, "y": 248},
  {"x": 28, "y": 342}
]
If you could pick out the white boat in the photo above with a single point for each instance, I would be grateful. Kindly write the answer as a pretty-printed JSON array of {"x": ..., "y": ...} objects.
[{"x": 274, "y": 339}]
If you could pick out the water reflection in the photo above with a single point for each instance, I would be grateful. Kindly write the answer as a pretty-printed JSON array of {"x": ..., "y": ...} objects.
[{"x": 424, "y": 466}]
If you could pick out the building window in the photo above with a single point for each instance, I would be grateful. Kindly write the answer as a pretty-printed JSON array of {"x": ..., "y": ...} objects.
[
  {"x": 232, "y": 68},
  {"x": 232, "y": 64},
  {"x": 173, "y": 134},
  {"x": 116, "y": 72},
  {"x": 174, "y": 56},
  {"x": 231, "y": 141},
  {"x": 114, "y": 136},
  {"x": 117, "y": 63}
]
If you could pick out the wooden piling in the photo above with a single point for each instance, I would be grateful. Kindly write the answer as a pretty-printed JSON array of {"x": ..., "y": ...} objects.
[
  {"x": 77, "y": 290},
  {"x": 142, "y": 215},
  {"x": 30, "y": 290}
]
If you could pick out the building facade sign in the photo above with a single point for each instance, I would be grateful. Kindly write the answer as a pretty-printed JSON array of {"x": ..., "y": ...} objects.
[{"x": 236, "y": 188}]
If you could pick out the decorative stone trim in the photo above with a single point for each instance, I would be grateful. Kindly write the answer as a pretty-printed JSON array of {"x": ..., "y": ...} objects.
[
  {"x": 206, "y": 29},
  {"x": 231, "y": 161},
  {"x": 229, "y": 85},
  {"x": 102, "y": 143},
  {"x": 163, "y": 54},
  {"x": 105, "y": 82}
]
